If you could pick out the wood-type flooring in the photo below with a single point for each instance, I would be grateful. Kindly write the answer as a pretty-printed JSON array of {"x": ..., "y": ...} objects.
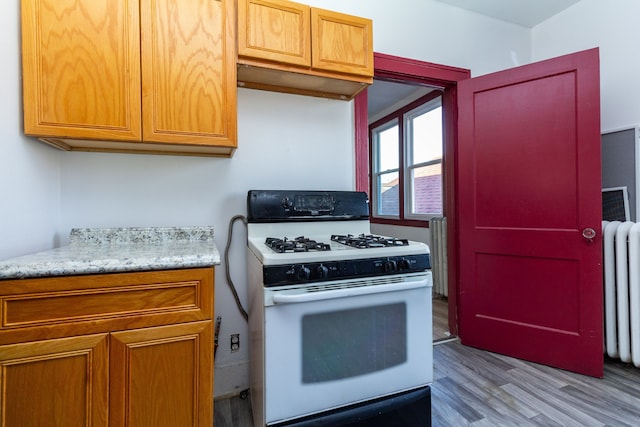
[{"x": 440, "y": 319}]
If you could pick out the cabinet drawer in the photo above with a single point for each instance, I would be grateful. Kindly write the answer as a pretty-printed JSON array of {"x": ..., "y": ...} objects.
[
  {"x": 104, "y": 302},
  {"x": 33, "y": 309}
]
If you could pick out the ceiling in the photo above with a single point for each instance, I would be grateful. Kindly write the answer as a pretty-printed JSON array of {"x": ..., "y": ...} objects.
[
  {"x": 382, "y": 95},
  {"x": 527, "y": 13}
]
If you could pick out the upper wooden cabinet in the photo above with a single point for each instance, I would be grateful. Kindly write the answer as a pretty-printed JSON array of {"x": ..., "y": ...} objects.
[
  {"x": 275, "y": 30},
  {"x": 341, "y": 43},
  {"x": 291, "y": 47},
  {"x": 131, "y": 75}
]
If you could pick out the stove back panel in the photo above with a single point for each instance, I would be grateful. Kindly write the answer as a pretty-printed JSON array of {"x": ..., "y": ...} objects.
[{"x": 294, "y": 206}]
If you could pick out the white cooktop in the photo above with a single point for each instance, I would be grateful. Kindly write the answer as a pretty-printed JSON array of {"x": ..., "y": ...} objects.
[{"x": 320, "y": 232}]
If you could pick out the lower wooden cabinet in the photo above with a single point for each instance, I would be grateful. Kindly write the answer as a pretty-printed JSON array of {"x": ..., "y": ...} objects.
[
  {"x": 61, "y": 382},
  {"x": 91, "y": 371},
  {"x": 162, "y": 377}
]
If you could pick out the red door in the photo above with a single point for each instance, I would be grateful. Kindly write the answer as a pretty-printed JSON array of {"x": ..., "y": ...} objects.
[{"x": 528, "y": 188}]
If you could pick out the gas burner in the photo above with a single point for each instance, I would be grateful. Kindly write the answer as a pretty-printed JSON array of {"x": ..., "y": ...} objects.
[
  {"x": 299, "y": 244},
  {"x": 368, "y": 241}
]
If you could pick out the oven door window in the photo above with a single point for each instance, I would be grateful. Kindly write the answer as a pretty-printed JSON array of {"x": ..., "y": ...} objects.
[{"x": 348, "y": 343}]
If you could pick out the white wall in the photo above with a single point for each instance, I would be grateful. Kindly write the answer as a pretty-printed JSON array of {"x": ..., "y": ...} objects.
[
  {"x": 614, "y": 28},
  {"x": 44, "y": 193},
  {"x": 29, "y": 181}
]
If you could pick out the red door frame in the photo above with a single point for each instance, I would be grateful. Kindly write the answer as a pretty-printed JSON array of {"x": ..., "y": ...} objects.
[{"x": 403, "y": 70}]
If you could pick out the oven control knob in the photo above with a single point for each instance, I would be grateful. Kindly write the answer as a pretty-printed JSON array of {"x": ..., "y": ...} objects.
[
  {"x": 403, "y": 264},
  {"x": 304, "y": 273},
  {"x": 322, "y": 271},
  {"x": 286, "y": 203},
  {"x": 389, "y": 266}
]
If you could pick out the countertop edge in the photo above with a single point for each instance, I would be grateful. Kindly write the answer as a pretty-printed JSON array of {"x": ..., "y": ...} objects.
[
  {"x": 123, "y": 266},
  {"x": 99, "y": 256}
]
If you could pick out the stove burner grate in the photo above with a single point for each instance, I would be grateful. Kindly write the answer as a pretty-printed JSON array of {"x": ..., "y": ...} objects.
[
  {"x": 299, "y": 244},
  {"x": 368, "y": 241}
]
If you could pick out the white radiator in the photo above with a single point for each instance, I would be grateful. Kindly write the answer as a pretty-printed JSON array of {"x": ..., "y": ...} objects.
[
  {"x": 621, "y": 250},
  {"x": 438, "y": 228}
]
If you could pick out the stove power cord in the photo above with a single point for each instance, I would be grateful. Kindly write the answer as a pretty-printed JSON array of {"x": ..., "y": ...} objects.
[{"x": 226, "y": 265}]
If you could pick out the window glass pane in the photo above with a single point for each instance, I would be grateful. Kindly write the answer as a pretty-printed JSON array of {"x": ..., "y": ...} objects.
[
  {"x": 388, "y": 149},
  {"x": 427, "y": 136},
  {"x": 388, "y": 199},
  {"x": 426, "y": 185}
]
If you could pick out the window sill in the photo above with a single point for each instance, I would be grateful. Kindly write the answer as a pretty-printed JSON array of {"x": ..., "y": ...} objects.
[{"x": 401, "y": 222}]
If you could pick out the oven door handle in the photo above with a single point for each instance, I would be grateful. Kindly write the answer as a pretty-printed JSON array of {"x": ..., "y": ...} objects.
[{"x": 346, "y": 292}]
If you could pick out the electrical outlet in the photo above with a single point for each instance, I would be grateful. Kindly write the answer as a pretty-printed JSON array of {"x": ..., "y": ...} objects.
[{"x": 235, "y": 342}]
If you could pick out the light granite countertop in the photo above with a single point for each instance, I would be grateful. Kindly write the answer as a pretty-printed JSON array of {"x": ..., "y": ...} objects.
[{"x": 112, "y": 250}]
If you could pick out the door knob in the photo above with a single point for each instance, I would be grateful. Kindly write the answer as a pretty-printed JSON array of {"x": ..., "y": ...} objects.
[{"x": 589, "y": 234}]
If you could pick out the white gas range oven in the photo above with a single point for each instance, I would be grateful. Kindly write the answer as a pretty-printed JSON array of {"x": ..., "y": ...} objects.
[{"x": 339, "y": 319}]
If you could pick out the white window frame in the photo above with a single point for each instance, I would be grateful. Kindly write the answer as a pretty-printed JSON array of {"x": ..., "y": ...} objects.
[
  {"x": 408, "y": 160},
  {"x": 376, "y": 172},
  {"x": 403, "y": 120}
]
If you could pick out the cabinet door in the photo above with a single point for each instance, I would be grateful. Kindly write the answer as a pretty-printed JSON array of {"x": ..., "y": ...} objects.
[
  {"x": 81, "y": 68},
  {"x": 162, "y": 376},
  {"x": 188, "y": 72},
  {"x": 59, "y": 383},
  {"x": 274, "y": 30},
  {"x": 341, "y": 43}
]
